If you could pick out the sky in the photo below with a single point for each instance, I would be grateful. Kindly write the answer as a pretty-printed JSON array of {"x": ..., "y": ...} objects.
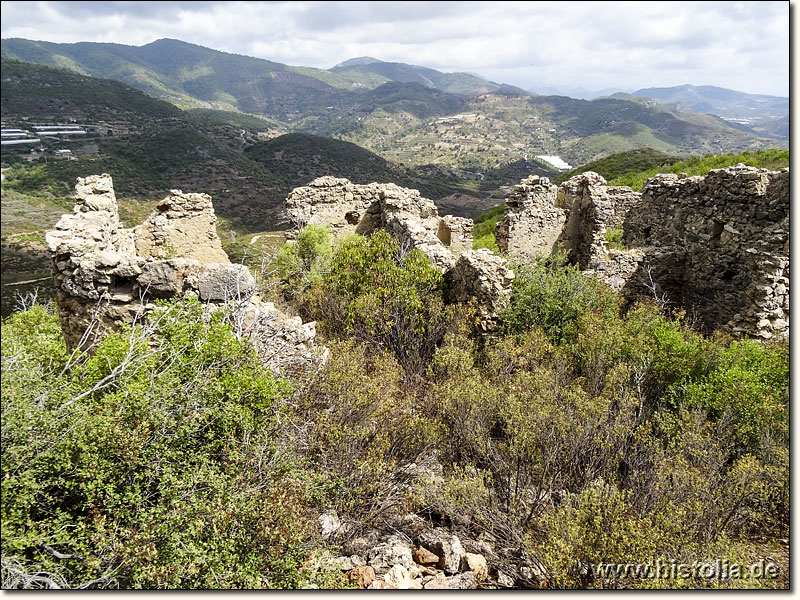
[{"x": 593, "y": 45}]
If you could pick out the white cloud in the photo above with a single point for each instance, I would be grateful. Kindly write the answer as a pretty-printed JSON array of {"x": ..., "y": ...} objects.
[{"x": 740, "y": 45}]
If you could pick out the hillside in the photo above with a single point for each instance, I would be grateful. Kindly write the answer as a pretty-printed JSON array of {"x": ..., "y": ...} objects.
[
  {"x": 39, "y": 92},
  {"x": 406, "y": 113},
  {"x": 722, "y": 102},
  {"x": 189, "y": 75},
  {"x": 616, "y": 165},
  {"x": 158, "y": 147},
  {"x": 454, "y": 83},
  {"x": 413, "y": 124}
]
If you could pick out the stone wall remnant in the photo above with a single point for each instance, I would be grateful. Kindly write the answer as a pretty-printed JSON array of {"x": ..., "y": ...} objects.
[
  {"x": 345, "y": 208},
  {"x": 182, "y": 225},
  {"x": 106, "y": 275},
  {"x": 483, "y": 277},
  {"x": 533, "y": 223},
  {"x": 716, "y": 245},
  {"x": 730, "y": 232}
]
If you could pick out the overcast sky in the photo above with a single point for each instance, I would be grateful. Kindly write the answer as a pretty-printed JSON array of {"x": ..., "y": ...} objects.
[{"x": 629, "y": 45}]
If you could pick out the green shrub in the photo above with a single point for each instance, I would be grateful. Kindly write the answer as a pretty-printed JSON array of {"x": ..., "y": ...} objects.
[
  {"x": 550, "y": 293},
  {"x": 365, "y": 422},
  {"x": 384, "y": 297},
  {"x": 614, "y": 239},
  {"x": 304, "y": 263},
  {"x": 154, "y": 462}
]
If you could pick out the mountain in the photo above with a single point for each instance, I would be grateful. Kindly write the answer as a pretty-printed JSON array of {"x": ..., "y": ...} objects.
[
  {"x": 157, "y": 147},
  {"x": 412, "y": 124},
  {"x": 405, "y": 113},
  {"x": 455, "y": 83},
  {"x": 192, "y": 76},
  {"x": 725, "y": 103},
  {"x": 44, "y": 93},
  {"x": 354, "y": 62},
  {"x": 573, "y": 92}
]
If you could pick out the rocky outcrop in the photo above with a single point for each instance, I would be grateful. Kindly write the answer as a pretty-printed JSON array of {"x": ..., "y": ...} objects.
[
  {"x": 715, "y": 245},
  {"x": 106, "y": 275}
]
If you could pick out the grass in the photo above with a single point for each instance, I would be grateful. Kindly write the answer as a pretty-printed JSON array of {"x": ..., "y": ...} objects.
[{"x": 696, "y": 165}]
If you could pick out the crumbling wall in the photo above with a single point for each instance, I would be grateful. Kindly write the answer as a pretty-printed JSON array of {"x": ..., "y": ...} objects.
[
  {"x": 715, "y": 245},
  {"x": 594, "y": 210},
  {"x": 106, "y": 275},
  {"x": 729, "y": 231},
  {"x": 533, "y": 223},
  {"x": 412, "y": 219},
  {"x": 477, "y": 276},
  {"x": 182, "y": 225},
  {"x": 484, "y": 278}
]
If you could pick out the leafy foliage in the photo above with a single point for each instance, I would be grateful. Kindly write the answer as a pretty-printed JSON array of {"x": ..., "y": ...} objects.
[
  {"x": 152, "y": 463},
  {"x": 552, "y": 294}
]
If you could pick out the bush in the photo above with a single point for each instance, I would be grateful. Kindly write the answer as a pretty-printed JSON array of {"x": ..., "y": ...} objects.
[
  {"x": 153, "y": 463},
  {"x": 303, "y": 263},
  {"x": 384, "y": 297},
  {"x": 364, "y": 422},
  {"x": 550, "y": 293}
]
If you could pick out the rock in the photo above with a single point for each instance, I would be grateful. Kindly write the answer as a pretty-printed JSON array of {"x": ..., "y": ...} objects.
[
  {"x": 362, "y": 544},
  {"x": 347, "y": 208},
  {"x": 329, "y": 524},
  {"x": 504, "y": 580},
  {"x": 361, "y": 576},
  {"x": 532, "y": 222},
  {"x": 223, "y": 282},
  {"x": 95, "y": 193},
  {"x": 439, "y": 582},
  {"x": 182, "y": 225},
  {"x": 425, "y": 557},
  {"x": 477, "y": 564},
  {"x": 446, "y": 546},
  {"x": 393, "y": 551},
  {"x": 463, "y": 581},
  {"x": 399, "y": 577},
  {"x": 165, "y": 278},
  {"x": 380, "y": 585}
]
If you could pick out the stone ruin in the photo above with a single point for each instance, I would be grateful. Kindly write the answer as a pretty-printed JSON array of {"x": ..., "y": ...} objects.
[
  {"x": 106, "y": 275},
  {"x": 716, "y": 245},
  {"x": 347, "y": 208}
]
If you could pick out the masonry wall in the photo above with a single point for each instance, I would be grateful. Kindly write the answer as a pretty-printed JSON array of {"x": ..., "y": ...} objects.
[
  {"x": 725, "y": 238},
  {"x": 716, "y": 245}
]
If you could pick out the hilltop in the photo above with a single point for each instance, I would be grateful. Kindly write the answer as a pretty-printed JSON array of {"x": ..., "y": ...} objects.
[{"x": 406, "y": 113}]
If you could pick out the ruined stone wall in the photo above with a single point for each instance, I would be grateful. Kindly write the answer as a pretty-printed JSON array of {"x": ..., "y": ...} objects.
[
  {"x": 413, "y": 220},
  {"x": 533, "y": 223},
  {"x": 594, "y": 210},
  {"x": 727, "y": 237},
  {"x": 106, "y": 275},
  {"x": 716, "y": 245},
  {"x": 476, "y": 276}
]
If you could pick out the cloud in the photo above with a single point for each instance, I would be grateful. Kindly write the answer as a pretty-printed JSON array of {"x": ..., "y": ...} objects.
[{"x": 740, "y": 45}]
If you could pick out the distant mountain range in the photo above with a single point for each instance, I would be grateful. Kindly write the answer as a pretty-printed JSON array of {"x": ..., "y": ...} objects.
[
  {"x": 157, "y": 146},
  {"x": 725, "y": 103},
  {"x": 405, "y": 113}
]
